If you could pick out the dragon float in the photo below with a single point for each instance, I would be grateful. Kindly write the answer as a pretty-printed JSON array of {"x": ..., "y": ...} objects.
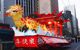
[{"x": 45, "y": 26}]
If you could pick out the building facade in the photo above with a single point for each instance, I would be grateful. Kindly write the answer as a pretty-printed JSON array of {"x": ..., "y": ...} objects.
[
  {"x": 73, "y": 25},
  {"x": 40, "y": 6},
  {"x": 4, "y": 5},
  {"x": 1, "y": 12},
  {"x": 54, "y": 6},
  {"x": 29, "y": 7}
]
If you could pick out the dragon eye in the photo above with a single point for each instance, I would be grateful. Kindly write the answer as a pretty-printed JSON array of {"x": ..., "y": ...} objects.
[{"x": 14, "y": 10}]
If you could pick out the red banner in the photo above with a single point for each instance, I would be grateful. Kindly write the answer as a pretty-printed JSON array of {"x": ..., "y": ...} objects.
[{"x": 26, "y": 41}]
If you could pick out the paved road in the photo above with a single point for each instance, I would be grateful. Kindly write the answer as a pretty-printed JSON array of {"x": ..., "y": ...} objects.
[{"x": 73, "y": 46}]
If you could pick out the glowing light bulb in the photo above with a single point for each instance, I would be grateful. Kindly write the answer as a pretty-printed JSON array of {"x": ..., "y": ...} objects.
[{"x": 49, "y": 22}]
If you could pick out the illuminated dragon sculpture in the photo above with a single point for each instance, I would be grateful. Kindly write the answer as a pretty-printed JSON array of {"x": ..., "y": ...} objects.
[{"x": 16, "y": 12}]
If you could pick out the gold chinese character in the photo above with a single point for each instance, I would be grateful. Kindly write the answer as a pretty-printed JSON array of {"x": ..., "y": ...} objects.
[
  {"x": 24, "y": 41},
  {"x": 31, "y": 41},
  {"x": 17, "y": 41}
]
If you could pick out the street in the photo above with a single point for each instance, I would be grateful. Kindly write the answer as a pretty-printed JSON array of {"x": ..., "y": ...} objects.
[{"x": 73, "y": 46}]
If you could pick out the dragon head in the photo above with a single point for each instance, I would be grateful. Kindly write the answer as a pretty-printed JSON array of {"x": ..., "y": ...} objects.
[{"x": 14, "y": 10}]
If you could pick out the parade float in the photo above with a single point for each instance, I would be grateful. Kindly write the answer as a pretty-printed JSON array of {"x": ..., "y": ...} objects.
[{"x": 46, "y": 29}]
